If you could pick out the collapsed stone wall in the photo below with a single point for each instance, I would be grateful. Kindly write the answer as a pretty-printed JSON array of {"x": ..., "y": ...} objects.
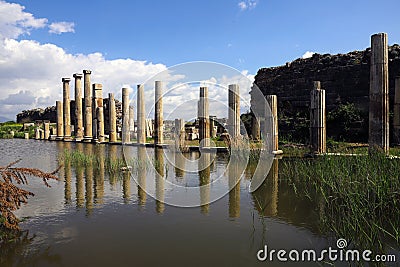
[{"x": 345, "y": 77}]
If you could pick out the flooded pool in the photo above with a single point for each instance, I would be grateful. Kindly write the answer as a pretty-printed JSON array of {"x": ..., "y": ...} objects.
[{"x": 92, "y": 217}]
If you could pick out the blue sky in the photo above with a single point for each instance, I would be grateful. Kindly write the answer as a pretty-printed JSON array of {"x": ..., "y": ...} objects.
[
  {"x": 269, "y": 33},
  {"x": 126, "y": 42}
]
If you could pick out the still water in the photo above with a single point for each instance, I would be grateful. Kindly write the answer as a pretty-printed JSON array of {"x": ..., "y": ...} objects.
[{"x": 92, "y": 218}]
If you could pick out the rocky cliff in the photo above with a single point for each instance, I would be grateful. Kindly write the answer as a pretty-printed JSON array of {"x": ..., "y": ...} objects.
[{"x": 345, "y": 77}]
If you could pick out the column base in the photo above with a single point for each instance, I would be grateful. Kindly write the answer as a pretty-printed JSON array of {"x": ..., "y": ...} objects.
[
  {"x": 67, "y": 139},
  {"x": 87, "y": 139}
]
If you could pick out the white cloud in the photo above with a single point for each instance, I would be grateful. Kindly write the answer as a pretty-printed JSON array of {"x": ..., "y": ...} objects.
[
  {"x": 307, "y": 54},
  {"x": 36, "y": 70},
  {"x": 61, "y": 27},
  {"x": 247, "y": 4},
  {"x": 14, "y": 21}
]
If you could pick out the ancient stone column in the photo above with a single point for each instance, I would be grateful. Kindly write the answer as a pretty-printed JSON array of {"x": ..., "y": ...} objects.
[
  {"x": 67, "y": 113},
  {"x": 204, "y": 124},
  {"x": 379, "y": 95},
  {"x": 125, "y": 116},
  {"x": 37, "y": 133},
  {"x": 112, "y": 118},
  {"x": 141, "y": 116},
  {"x": 213, "y": 131},
  {"x": 179, "y": 134},
  {"x": 255, "y": 128},
  {"x": 46, "y": 130},
  {"x": 396, "y": 111},
  {"x": 317, "y": 120},
  {"x": 97, "y": 102},
  {"x": 60, "y": 120},
  {"x": 78, "y": 107},
  {"x": 131, "y": 122},
  {"x": 100, "y": 124},
  {"x": 271, "y": 121},
  {"x": 88, "y": 106},
  {"x": 234, "y": 112},
  {"x": 158, "y": 115}
]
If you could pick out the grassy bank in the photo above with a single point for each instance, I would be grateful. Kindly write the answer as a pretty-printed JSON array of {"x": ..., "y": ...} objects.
[{"x": 358, "y": 197}]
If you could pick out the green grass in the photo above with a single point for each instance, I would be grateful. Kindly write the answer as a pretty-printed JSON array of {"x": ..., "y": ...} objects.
[{"x": 359, "y": 197}]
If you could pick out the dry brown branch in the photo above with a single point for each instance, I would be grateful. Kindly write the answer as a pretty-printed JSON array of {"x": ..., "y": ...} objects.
[{"x": 11, "y": 196}]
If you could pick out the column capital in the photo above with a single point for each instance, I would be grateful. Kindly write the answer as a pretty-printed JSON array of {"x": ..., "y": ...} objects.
[
  {"x": 87, "y": 71},
  {"x": 66, "y": 80},
  {"x": 77, "y": 76}
]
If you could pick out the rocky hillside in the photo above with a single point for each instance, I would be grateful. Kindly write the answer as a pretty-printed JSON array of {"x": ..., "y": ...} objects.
[{"x": 345, "y": 77}]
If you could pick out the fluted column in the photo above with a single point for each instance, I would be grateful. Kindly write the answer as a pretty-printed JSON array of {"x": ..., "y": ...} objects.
[
  {"x": 158, "y": 115},
  {"x": 112, "y": 118},
  {"x": 78, "y": 107},
  {"x": 141, "y": 116},
  {"x": 88, "y": 106},
  {"x": 67, "y": 112},
  {"x": 379, "y": 95}
]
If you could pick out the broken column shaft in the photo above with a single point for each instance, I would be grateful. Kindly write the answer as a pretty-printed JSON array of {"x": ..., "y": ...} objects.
[
  {"x": 204, "y": 124},
  {"x": 112, "y": 118},
  {"x": 98, "y": 115},
  {"x": 141, "y": 119},
  {"x": 158, "y": 115},
  {"x": 60, "y": 120},
  {"x": 125, "y": 116},
  {"x": 396, "y": 111},
  {"x": 378, "y": 95},
  {"x": 234, "y": 112},
  {"x": 317, "y": 120}
]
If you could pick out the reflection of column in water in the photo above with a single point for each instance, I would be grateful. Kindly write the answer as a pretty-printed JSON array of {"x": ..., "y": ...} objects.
[
  {"x": 67, "y": 176},
  {"x": 99, "y": 174},
  {"x": 266, "y": 196},
  {"x": 67, "y": 181},
  {"x": 113, "y": 156},
  {"x": 234, "y": 186},
  {"x": 141, "y": 172},
  {"x": 80, "y": 190},
  {"x": 159, "y": 164},
  {"x": 179, "y": 164},
  {"x": 88, "y": 150},
  {"x": 126, "y": 186},
  {"x": 273, "y": 177},
  {"x": 204, "y": 176}
]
